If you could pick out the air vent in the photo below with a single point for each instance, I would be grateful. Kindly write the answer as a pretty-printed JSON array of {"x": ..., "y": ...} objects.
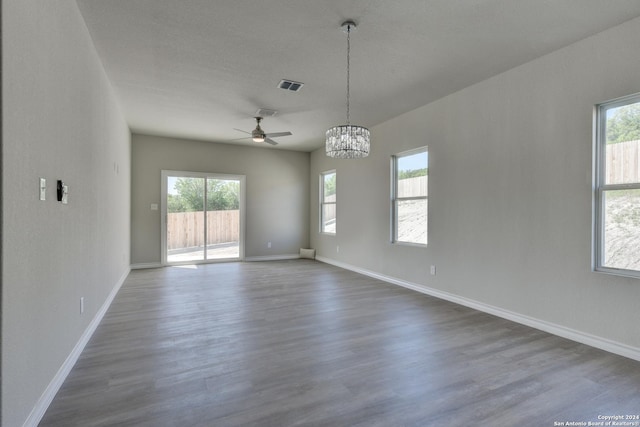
[
  {"x": 290, "y": 85},
  {"x": 265, "y": 112}
]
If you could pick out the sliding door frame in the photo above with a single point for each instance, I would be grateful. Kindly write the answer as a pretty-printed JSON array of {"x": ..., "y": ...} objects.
[{"x": 165, "y": 174}]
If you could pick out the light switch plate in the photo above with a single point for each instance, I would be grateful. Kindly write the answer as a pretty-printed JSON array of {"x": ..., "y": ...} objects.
[{"x": 43, "y": 189}]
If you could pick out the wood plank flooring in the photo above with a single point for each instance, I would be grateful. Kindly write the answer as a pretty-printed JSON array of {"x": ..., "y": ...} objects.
[{"x": 301, "y": 343}]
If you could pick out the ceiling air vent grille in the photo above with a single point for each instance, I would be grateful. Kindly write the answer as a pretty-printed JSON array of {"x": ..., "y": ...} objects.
[
  {"x": 266, "y": 112},
  {"x": 290, "y": 85}
]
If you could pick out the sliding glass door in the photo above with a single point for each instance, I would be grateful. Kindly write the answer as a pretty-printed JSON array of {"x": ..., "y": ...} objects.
[{"x": 202, "y": 217}]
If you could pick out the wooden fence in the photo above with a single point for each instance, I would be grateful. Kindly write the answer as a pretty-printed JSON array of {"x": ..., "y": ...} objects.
[
  {"x": 623, "y": 162},
  {"x": 186, "y": 229},
  {"x": 411, "y": 187}
]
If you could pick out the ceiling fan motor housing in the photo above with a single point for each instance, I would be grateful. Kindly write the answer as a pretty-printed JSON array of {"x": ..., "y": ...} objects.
[{"x": 258, "y": 134}]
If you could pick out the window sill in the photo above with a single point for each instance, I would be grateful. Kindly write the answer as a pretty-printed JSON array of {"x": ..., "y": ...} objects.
[
  {"x": 415, "y": 245},
  {"x": 633, "y": 274}
]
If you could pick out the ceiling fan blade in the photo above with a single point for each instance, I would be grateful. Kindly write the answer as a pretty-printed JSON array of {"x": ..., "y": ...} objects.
[
  {"x": 239, "y": 139},
  {"x": 276, "y": 134},
  {"x": 243, "y": 131},
  {"x": 270, "y": 141}
]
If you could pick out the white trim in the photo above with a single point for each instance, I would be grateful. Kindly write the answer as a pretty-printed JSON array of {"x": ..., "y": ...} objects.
[
  {"x": 272, "y": 257},
  {"x": 49, "y": 393},
  {"x": 552, "y": 328},
  {"x": 247, "y": 259},
  {"x": 144, "y": 265}
]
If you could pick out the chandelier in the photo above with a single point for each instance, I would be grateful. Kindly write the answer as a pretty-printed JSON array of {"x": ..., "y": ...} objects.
[{"x": 348, "y": 141}]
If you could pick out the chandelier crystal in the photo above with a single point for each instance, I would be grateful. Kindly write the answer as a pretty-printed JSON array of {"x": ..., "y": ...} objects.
[{"x": 348, "y": 141}]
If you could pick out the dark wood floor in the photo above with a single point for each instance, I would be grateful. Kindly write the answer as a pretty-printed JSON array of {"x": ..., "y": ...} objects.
[{"x": 301, "y": 343}]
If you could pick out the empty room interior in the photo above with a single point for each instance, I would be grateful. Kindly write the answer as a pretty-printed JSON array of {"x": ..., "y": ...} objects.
[{"x": 329, "y": 213}]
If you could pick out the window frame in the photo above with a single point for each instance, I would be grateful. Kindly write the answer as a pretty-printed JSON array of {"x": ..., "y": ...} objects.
[
  {"x": 395, "y": 199},
  {"x": 600, "y": 187},
  {"x": 323, "y": 203}
]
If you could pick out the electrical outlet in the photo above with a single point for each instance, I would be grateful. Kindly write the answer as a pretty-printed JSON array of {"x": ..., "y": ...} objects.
[
  {"x": 81, "y": 305},
  {"x": 337, "y": 248},
  {"x": 269, "y": 245},
  {"x": 433, "y": 270}
]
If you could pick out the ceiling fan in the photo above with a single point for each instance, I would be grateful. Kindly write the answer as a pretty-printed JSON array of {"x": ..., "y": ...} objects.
[{"x": 258, "y": 135}]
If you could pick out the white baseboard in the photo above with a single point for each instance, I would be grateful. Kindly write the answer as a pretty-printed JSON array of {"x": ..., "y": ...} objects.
[
  {"x": 248, "y": 259},
  {"x": 272, "y": 257},
  {"x": 45, "y": 400},
  {"x": 146, "y": 265},
  {"x": 552, "y": 328}
]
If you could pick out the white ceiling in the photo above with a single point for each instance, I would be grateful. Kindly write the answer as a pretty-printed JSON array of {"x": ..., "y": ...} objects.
[{"x": 200, "y": 68}]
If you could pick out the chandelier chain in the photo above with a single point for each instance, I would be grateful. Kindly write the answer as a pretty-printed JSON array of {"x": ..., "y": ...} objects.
[{"x": 348, "y": 70}]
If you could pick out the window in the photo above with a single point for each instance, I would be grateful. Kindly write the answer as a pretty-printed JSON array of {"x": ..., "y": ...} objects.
[
  {"x": 409, "y": 190},
  {"x": 328, "y": 202},
  {"x": 617, "y": 187}
]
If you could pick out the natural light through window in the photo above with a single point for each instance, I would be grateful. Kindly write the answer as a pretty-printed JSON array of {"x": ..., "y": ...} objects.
[
  {"x": 203, "y": 217},
  {"x": 328, "y": 202},
  {"x": 409, "y": 192},
  {"x": 617, "y": 190}
]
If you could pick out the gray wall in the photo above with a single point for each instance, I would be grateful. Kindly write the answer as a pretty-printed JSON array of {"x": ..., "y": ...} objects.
[
  {"x": 510, "y": 197},
  {"x": 60, "y": 121},
  {"x": 277, "y": 201}
]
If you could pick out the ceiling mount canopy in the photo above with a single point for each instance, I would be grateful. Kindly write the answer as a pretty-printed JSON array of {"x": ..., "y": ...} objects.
[{"x": 348, "y": 141}]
